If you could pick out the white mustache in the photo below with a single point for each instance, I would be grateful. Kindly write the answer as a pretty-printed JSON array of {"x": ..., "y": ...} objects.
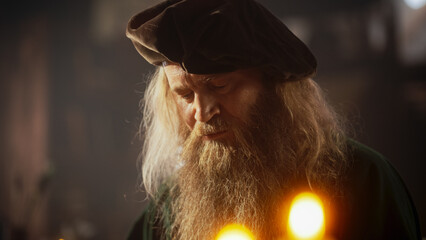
[{"x": 217, "y": 125}]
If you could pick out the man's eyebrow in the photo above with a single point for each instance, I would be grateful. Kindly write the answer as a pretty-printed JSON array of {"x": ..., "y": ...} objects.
[
  {"x": 179, "y": 89},
  {"x": 210, "y": 77}
]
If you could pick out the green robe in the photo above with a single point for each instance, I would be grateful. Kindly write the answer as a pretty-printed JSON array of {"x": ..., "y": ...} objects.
[{"x": 376, "y": 204}]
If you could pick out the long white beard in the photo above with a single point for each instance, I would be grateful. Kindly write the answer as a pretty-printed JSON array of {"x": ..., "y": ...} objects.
[{"x": 238, "y": 181}]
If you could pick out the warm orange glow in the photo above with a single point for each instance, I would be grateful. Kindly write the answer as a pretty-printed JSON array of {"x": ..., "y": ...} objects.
[
  {"x": 235, "y": 232},
  {"x": 306, "y": 219}
]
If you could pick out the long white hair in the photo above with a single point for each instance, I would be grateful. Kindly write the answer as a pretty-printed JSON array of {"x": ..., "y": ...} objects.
[
  {"x": 319, "y": 140},
  {"x": 159, "y": 130}
]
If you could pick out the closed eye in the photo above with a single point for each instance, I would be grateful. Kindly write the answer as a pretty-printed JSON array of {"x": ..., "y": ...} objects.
[
  {"x": 187, "y": 96},
  {"x": 218, "y": 86},
  {"x": 184, "y": 93},
  {"x": 218, "y": 83}
]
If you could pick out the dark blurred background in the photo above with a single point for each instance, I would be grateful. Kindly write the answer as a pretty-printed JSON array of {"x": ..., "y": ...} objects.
[{"x": 71, "y": 83}]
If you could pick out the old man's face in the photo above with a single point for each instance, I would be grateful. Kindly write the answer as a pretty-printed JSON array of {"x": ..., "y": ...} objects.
[
  {"x": 220, "y": 98},
  {"x": 232, "y": 151}
]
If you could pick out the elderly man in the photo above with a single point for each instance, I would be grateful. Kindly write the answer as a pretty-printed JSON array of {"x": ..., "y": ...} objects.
[{"x": 234, "y": 127}]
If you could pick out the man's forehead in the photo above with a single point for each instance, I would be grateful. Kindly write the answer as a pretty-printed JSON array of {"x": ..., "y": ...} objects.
[{"x": 175, "y": 72}]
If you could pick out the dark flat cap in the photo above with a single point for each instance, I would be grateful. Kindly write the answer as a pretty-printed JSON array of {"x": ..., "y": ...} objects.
[{"x": 217, "y": 36}]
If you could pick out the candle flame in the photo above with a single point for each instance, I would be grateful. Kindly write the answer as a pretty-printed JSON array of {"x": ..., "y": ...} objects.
[
  {"x": 235, "y": 232},
  {"x": 306, "y": 219}
]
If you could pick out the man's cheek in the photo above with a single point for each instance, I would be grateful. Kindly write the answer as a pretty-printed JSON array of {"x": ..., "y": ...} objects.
[
  {"x": 186, "y": 116},
  {"x": 241, "y": 106}
]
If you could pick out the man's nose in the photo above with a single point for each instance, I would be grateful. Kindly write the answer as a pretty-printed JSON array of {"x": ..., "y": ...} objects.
[{"x": 206, "y": 106}]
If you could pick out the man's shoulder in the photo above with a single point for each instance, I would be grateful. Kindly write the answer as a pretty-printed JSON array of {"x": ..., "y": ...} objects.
[
  {"x": 155, "y": 220},
  {"x": 146, "y": 225},
  {"x": 368, "y": 165},
  {"x": 376, "y": 198},
  {"x": 371, "y": 172},
  {"x": 365, "y": 156}
]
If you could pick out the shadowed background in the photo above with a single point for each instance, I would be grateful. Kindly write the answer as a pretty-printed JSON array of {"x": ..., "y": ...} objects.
[{"x": 71, "y": 83}]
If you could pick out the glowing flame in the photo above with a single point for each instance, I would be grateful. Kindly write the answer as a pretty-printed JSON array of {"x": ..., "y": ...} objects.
[
  {"x": 235, "y": 232},
  {"x": 306, "y": 219}
]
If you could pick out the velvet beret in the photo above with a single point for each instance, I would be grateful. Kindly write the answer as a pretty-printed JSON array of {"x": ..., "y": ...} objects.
[{"x": 217, "y": 36}]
